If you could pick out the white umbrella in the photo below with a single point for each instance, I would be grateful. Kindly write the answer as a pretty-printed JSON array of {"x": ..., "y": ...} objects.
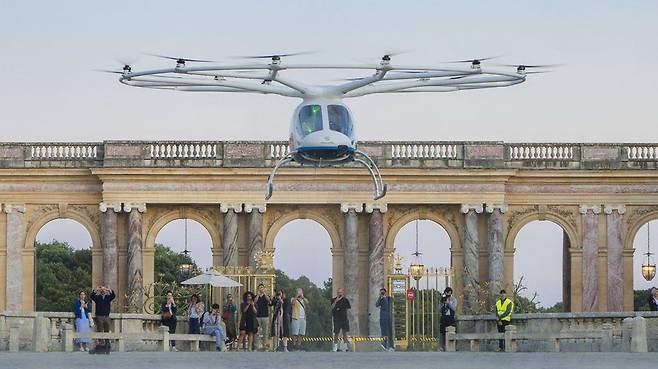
[{"x": 214, "y": 279}]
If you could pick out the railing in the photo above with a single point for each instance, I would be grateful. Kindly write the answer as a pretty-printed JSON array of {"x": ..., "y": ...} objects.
[
  {"x": 54, "y": 151},
  {"x": 642, "y": 152},
  {"x": 540, "y": 152},
  {"x": 183, "y": 150},
  {"x": 423, "y": 151},
  {"x": 278, "y": 150}
]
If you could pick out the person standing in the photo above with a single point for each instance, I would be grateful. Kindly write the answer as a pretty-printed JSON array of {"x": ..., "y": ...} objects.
[
  {"x": 299, "y": 304},
  {"x": 339, "y": 306},
  {"x": 229, "y": 311},
  {"x": 263, "y": 303},
  {"x": 195, "y": 311},
  {"x": 248, "y": 322},
  {"x": 168, "y": 317},
  {"x": 504, "y": 308},
  {"x": 212, "y": 325},
  {"x": 448, "y": 311},
  {"x": 280, "y": 327},
  {"x": 385, "y": 320},
  {"x": 102, "y": 297},
  {"x": 82, "y": 310},
  {"x": 653, "y": 299}
]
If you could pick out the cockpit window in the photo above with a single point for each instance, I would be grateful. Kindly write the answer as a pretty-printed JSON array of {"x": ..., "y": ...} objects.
[
  {"x": 339, "y": 119},
  {"x": 310, "y": 119}
]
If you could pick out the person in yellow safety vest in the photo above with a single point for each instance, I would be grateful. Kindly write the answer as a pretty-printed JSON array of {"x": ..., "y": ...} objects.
[{"x": 504, "y": 308}]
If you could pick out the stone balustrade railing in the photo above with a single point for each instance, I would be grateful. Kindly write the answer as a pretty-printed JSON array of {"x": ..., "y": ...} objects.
[{"x": 388, "y": 154}]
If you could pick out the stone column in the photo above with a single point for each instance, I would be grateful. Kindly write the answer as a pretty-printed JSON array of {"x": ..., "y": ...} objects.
[
  {"x": 495, "y": 240},
  {"x": 471, "y": 246},
  {"x": 255, "y": 231},
  {"x": 230, "y": 239},
  {"x": 15, "y": 241},
  {"x": 590, "y": 225},
  {"x": 351, "y": 262},
  {"x": 614, "y": 214},
  {"x": 135, "y": 256},
  {"x": 566, "y": 271},
  {"x": 376, "y": 262},
  {"x": 109, "y": 242}
]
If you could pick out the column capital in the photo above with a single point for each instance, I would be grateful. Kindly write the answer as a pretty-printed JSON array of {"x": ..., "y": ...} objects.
[
  {"x": 14, "y": 208},
  {"x": 596, "y": 209},
  {"x": 502, "y": 207},
  {"x": 249, "y": 207},
  {"x": 465, "y": 208},
  {"x": 372, "y": 207},
  {"x": 347, "y": 206},
  {"x": 103, "y": 206},
  {"x": 129, "y": 206},
  {"x": 608, "y": 209},
  {"x": 236, "y": 207}
]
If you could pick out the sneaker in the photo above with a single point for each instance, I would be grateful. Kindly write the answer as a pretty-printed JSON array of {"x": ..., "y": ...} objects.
[
  {"x": 391, "y": 349},
  {"x": 219, "y": 348},
  {"x": 174, "y": 349},
  {"x": 334, "y": 347},
  {"x": 82, "y": 349}
]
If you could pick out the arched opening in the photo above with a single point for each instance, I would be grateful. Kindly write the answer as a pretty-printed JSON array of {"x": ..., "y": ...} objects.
[
  {"x": 303, "y": 259},
  {"x": 171, "y": 243},
  {"x": 434, "y": 247},
  {"x": 63, "y": 264},
  {"x": 643, "y": 242},
  {"x": 541, "y": 267}
]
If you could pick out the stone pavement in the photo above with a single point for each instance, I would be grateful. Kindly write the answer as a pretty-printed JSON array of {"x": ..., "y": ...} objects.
[{"x": 322, "y": 360}]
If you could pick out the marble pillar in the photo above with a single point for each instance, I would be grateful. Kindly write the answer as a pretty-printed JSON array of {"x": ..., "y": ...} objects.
[
  {"x": 495, "y": 240},
  {"x": 255, "y": 232},
  {"x": 471, "y": 246},
  {"x": 135, "y": 256},
  {"x": 376, "y": 262},
  {"x": 614, "y": 215},
  {"x": 590, "y": 226},
  {"x": 109, "y": 243},
  {"x": 566, "y": 271},
  {"x": 351, "y": 262},
  {"x": 15, "y": 241},
  {"x": 230, "y": 240}
]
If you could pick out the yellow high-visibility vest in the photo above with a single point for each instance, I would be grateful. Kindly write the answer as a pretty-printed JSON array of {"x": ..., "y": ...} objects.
[{"x": 501, "y": 308}]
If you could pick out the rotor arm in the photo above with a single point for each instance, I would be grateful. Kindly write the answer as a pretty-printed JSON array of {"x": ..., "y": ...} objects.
[
  {"x": 353, "y": 85},
  {"x": 248, "y": 87}
]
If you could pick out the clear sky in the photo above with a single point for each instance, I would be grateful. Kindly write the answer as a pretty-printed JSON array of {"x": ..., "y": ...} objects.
[{"x": 606, "y": 90}]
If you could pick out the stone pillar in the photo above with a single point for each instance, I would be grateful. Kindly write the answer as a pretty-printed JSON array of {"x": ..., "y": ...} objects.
[
  {"x": 351, "y": 262},
  {"x": 109, "y": 242},
  {"x": 614, "y": 214},
  {"x": 230, "y": 239},
  {"x": 590, "y": 226},
  {"x": 495, "y": 240},
  {"x": 471, "y": 246},
  {"x": 376, "y": 263},
  {"x": 566, "y": 271},
  {"x": 15, "y": 241},
  {"x": 255, "y": 231},
  {"x": 135, "y": 256}
]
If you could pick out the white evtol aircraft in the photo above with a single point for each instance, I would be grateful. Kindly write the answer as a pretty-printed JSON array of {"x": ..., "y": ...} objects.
[{"x": 322, "y": 129}]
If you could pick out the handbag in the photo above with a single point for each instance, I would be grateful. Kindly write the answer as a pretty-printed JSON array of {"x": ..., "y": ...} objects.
[
  {"x": 225, "y": 316},
  {"x": 166, "y": 315}
]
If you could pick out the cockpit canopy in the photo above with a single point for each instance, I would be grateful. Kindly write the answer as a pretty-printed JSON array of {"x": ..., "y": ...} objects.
[{"x": 311, "y": 117}]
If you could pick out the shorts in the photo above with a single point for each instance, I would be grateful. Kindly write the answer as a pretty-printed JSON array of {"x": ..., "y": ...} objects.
[
  {"x": 341, "y": 325},
  {"x": 298, "y": 327}
]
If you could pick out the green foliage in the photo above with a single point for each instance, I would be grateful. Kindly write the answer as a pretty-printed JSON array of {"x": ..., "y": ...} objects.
[
  {"x": 318, "y": 313},
  {"x": 62, "y": 273},
  {"x": 167, "y": 262},
  {"x": 641, "y": 300}
]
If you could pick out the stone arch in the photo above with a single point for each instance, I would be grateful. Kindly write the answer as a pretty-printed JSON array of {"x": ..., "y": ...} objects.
[
  {"x": 552, "y": 217},
  {"x": 632, "y": 228},
  {"x": 324, "y": 221},
  {"x": 182, "y": 213},
  {"x": 423, "y": 214},
  {"x": 33, "y": 228},
  {"x": 635, "y": 226}
]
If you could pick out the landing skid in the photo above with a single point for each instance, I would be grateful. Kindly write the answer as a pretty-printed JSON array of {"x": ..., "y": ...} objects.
[{"x": 359, "y": 157}]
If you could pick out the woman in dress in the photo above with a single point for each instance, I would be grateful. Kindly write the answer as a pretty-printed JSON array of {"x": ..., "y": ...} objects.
[
  {"x": 168, "y": 315},
  {"x": 248, "y": 324},
  {"x": 195, "y": 311},
  {"x": 281, "y": 321},
  {"x": 82, "y": 311}
]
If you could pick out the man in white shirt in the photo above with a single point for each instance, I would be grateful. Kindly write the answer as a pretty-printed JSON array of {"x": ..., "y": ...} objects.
[{"x": 212, "y": 325}]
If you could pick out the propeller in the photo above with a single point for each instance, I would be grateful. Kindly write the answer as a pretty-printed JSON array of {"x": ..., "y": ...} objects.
[
  {"x": 180, "y": 60},
  {"x": 273, "y": 56},
  {"x": 389, "y": 53},
  {"x": 475, "y": 61},
  {"x": 521, "y": 68}
]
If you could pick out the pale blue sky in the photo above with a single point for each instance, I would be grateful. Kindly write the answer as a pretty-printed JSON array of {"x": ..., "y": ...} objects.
[{"x": 606, "y": 91}]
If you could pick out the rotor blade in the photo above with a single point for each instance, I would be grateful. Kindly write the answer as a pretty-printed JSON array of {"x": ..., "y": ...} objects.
[
  {"x": 108, "y": 71},
  {"x": 185, "y": 59},
  {"x": 531, "y": 66},
  {"x": 539, "y": 71},
  {"x": 396, "y": 52},
  {"x": 474, "y": 59},
  {"x": 126, "y": 60},
  {"x": 270, "y": 56}
]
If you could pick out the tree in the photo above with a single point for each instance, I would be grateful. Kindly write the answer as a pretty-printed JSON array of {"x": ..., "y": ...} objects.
[
  {"x": 641, "y": 300},
  {"x": 167, "y": 262},
  {"x": 62, "y": 273}
]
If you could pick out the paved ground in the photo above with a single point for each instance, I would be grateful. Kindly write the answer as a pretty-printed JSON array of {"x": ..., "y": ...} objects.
[{"x": 315, "y": 360}]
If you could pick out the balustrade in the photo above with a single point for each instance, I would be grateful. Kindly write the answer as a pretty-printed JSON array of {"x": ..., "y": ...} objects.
[
  {"x": 423, "y": 151},
  {"x": 183, "y": 150},
  {"x": 54, "y": 151},
  {"x": 540, "y": 152},
  {"x": 642, "y": 152}
]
